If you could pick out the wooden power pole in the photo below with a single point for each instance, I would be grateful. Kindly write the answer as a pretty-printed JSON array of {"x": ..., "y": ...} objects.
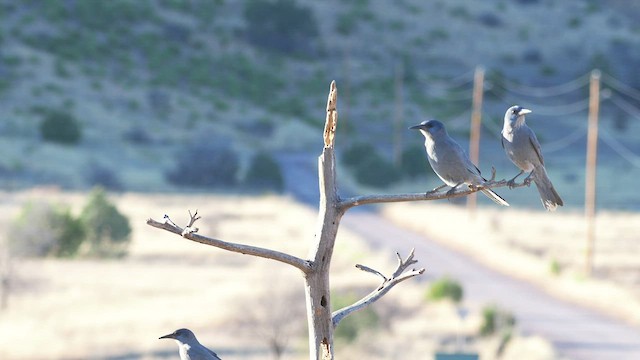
[
  {"x": 474, "y": 137},
  {"x": 398, "y": 114},
  {"x": 590, "y": 177}
]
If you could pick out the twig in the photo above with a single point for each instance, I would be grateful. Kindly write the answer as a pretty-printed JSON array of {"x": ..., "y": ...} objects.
[
  {"x": 331, "y": 121},
  {"x": 437, "y": 194},
  {"x": 404, "y": 264},
  {"x": 190, "y": 229},
  {"x": 399, "y": 275},
  {"x": 373, "y": 271},
  {"x": 168, "y": 225}
]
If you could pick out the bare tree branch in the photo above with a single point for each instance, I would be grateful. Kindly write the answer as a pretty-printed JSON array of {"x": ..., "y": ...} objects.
[
  {"x": 399, "y": 275},
  {"x": 332, "y": 116},
  {"x": 435, "y": 194},
  {"x": 373, "y": 271},
  {"x": 189, "y": 233},
  {"x": 404, "y": 264}
]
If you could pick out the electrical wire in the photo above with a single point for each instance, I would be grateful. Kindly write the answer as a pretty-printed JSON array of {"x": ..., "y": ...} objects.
[
  {"x": 461, "y": 120},
  {"x": 494, "y": 129},
  {"x": 452, "y": 83},
  {"x": 550, "y": 110},
  {"x": 619, "y": 148},
  {"x": 625, "y": 106},
  {"x": 620, "y": 86},
  {"x": 454, "y": 96},
  {"x": 549, "y": 91},
  {"x": 564, "y": 142}
]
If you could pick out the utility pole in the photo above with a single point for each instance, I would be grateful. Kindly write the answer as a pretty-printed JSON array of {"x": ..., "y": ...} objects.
[
  {"x": 590, "y": 177},
  {"x": 398, "y": 114},
  {"x": 474, "y": 137}
]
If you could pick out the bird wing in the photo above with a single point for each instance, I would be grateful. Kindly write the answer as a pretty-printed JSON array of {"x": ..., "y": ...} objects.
[
  {"x": 200, "y": 352},
  {"x": 464, "y": 158},
  {"x": 536, "y": 146},
  {"x": 473, "y": 168},
  {"x": 215, "y": 356}
]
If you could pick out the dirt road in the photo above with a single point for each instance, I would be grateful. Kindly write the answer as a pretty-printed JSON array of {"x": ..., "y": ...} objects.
[{"x": 576, "y": 332}]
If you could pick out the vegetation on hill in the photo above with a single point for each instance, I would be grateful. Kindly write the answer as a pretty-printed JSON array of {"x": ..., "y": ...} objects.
[{"x": 144, "y": 77}]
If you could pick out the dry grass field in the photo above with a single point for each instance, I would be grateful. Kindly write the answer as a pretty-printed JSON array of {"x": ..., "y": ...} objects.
[
  {"x": 117, "y": 309},
  {"x": 544, "y": 248}
]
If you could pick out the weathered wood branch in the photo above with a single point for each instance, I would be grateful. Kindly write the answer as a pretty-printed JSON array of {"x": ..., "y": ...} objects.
[
  {"x": 436, "y": 194},
  {"x": 317, "y": 286},
  {"x": 331, "y": 121},
  {"x": 189, "y": 233},
  {"x": 400, "y": 274}
]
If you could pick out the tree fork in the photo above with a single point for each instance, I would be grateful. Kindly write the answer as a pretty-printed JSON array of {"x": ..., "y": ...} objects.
[{"x": 321, "y": 321}]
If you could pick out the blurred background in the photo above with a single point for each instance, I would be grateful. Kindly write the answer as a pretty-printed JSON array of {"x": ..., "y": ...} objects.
[{"x": 114, "y": 111}]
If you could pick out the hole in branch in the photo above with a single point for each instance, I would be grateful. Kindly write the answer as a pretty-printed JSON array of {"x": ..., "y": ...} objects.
[{"x": 323, "y": 301}]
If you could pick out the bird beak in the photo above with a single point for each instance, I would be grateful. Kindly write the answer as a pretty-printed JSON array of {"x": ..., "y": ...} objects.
[
  {"x": 524, "y": 111},
  {"x": 419, "y": 126},
  {"x": 168, "y": 336}
]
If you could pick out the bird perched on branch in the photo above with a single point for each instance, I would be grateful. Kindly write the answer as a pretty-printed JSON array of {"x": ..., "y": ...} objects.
[
  {"x": 522, "y": 147},
  {"x": 450, "y": 162},
  {"x": 189, "y": 347}
]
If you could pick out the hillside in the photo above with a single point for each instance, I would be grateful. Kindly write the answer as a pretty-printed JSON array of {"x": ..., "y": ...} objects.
[{"x": 147, "y": 80}]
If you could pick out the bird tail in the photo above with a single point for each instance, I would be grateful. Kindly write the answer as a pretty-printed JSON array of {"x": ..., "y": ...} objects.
[
  {"x": 495, "y": 197},
  {"x": 548, "y": 194}
]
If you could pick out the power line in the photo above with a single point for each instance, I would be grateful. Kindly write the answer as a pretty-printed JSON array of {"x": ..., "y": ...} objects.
[
  {"x": 491, "y": 126},
  {"x": 620, "y": 148},
  {"x": 620, "y": 86},
  {"x": 625, "y": 106},
  {"x": 452, "y": 83},
  {"x": 549, "y": 91},
  {"x": 454, "y": 96},
  {"x": 551, "y": 110},
  {"x": 564, "y": 142},
  {"x": 459, "y": 121}
]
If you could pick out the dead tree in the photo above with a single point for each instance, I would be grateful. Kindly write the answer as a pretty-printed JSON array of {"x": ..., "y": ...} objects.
[{"x": 315, "y": 269}]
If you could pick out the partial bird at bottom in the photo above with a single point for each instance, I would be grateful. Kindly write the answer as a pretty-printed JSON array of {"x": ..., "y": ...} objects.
[{"x": 189, "y": 347}]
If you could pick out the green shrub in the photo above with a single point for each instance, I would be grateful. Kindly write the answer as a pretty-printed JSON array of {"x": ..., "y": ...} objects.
[
  {"x": 205, "y": 164},
  {"x": 369, "y": 167},
  {"x": 376, "y": 171},
  {"x": 60, "y": 127},
  {"x": 97, "y": 174},
  {"x": 356, "y": 152},
  {"x": 414, "y": 162},
  {"x": 495, "y": 319},
  {"x": 554, "y": 267},
  {"x": 43, "y": 229},
  {"x": 108, "y": 230},
  {"x": 351, "y": 326},
  {"x": 446, "y": 288},
  {"x": 282, "y": 26},
  {"x": 264, "y": 173}
]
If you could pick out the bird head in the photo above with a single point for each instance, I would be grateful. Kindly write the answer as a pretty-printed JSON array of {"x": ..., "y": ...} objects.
[
  {"x": 515, "y": 114},
  {"x": 428, "y": 128},
  {"x": 184, "y": 336}
]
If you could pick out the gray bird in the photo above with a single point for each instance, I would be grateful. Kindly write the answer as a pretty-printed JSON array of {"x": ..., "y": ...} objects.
[
  {"x": 189, "y": 347},
  {"x": 450, "y": 162},
  {"x": 522, "y": 147}
]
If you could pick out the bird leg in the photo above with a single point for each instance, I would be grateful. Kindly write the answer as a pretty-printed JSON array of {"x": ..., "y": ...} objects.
[
  {"x": 512, "y": 183},
  {"x": 453, "y": 189},
  {"x": 527, "y": 180},
  {"x": 436, "y": 189}
]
